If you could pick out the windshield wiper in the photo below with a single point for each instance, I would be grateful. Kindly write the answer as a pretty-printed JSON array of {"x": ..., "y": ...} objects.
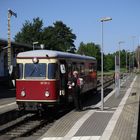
[{"x": 34, "y": 69}]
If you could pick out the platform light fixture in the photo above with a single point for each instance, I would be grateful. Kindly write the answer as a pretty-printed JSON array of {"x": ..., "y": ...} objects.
[
  {"x": 120, "y": 42},
  {"x": 133, "y": 52},
  {"x": 102, "y": 20}
]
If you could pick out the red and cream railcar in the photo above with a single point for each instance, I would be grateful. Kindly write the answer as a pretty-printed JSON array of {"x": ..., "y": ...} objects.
[{"x": 43, "y": 76}]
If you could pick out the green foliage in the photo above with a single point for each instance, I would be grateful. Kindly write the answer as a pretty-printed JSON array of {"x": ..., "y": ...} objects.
[
  {"x": 59, "y": 37},
  {"x": 56, "y": 37},
  {"x": 90, "y": 49},
  {"x": 109, "y": 62},
  {"x": 30, "y": 32},
  {"x": 123, "y": 58}
]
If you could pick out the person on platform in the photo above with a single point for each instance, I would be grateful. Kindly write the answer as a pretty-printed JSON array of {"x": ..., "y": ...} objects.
[{"x": 76, "y": 91}]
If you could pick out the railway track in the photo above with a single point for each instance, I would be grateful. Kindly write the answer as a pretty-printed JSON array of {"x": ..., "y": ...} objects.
[
  {"x": 24, "y": 125},
  {"x": 107, "y": 81},
  {"x": 27, "y": 125}
]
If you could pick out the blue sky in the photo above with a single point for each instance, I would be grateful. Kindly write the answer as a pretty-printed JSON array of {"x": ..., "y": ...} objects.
[{"x": 82, "y": 16}]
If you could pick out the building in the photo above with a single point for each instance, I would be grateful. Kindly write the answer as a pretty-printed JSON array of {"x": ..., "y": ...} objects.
[{"x": 15, "y": 49}]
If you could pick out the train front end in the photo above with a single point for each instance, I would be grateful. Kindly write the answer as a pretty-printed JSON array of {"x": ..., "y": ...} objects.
[{"x": 37, "y": 83}]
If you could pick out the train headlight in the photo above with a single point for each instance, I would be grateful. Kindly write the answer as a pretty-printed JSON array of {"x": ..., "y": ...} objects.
[
  {"x": 47, "y": 94},
  {"x": 23, "y": 94},
  {"x": 35, "y": 60}
]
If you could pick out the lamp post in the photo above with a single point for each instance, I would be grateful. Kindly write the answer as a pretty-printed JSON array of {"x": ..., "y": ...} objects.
[
  {"x": 117, "y": 71},
  {"x": 10, "y": 67},
  {"x": 102, "y": 20},
  {"x": 120, "y": 42},
  {"x": 133, "y": 60},
  {"x": 126, "y": 61},
  {"x": 138, "y": 54},
  {"x": 129, "y": 60},
  {"x": 34, "y": 43},
  {"x": 138, "y": 58}
]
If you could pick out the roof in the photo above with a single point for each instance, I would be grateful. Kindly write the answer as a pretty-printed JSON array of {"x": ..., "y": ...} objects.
[
  {"x": 4, "y": 43},
  {"x": 51, "y": 53}
]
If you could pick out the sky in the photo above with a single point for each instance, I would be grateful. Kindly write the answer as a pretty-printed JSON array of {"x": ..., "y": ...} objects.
[{"x": 83, "y": 17}]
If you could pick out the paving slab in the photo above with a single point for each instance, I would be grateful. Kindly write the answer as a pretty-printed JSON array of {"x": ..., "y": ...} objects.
[
  {"x": 95, "y": 128},
  {"x": 63, "y": 125}
]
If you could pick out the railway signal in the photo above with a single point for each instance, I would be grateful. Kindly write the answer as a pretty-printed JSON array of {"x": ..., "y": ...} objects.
[{"x": 10, "y": 66}]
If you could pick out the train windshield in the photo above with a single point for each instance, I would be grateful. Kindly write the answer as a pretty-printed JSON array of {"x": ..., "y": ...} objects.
[
  {"x": 52, "y": 71},
  {"x": 33, "y": 71}
]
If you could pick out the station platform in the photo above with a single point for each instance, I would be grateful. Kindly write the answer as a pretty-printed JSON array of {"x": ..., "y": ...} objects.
[
  {"x": 118, "y": 120},
  {"x": 7, "y": 100}
]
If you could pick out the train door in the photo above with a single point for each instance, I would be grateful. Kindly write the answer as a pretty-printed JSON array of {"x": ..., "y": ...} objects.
[{"x": 63, "y": 77}]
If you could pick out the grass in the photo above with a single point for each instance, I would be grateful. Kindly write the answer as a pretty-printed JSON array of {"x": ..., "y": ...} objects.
[{"x": 111, "y": 72}]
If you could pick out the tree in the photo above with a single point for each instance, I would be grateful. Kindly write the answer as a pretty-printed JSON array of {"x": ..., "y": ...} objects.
[
  {"x": 30, "y": 32},
  {"x": 56, "y": 37},
  {"x": 59, "y": 37},
  {"x": 109, "y": 62},
  {"x": 123, "y": 59},
  {"x": 91, "y": 49}
]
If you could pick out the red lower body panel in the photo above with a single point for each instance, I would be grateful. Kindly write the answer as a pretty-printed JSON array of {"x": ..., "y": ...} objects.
[{"x": 35, "y": 90}]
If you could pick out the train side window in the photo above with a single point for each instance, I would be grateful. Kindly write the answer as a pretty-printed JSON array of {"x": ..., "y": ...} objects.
[
  {"x": 82, "y": 69},
  {"x": 92, "y": 67},
  {"x": 52, "y": 71},
  {"x": 19, "y": 71},
  {"x": 69, "y": 70},
  {"x": 75, "y": 67},
  {"x": 95, "y": 66}
]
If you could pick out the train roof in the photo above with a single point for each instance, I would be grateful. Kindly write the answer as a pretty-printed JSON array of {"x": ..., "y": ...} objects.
[{"x": 52, "y": 54}]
